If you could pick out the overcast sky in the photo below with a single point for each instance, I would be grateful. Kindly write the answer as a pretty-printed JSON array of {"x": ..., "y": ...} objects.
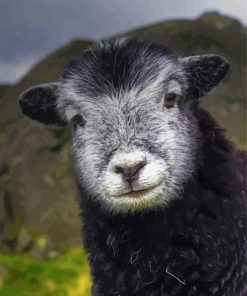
[{"x": 30, "y": 29}]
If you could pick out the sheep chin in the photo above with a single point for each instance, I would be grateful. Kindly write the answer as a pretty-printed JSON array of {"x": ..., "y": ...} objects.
[{"x": 138, "y": 201}]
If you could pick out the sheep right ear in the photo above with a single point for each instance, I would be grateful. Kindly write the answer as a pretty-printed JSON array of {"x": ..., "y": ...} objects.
[
  {"x": 205, "y": 72},
  {"x": 40, "y": 104}
]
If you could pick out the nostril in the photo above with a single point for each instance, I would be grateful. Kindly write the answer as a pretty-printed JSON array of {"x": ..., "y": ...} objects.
[
  {"x": 119, "y": 170},
  {"x": 140, "y": 165},
  {"x": 130, "y": 172}
]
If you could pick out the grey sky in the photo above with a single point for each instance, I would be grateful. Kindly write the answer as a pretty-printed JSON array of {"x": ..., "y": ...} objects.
[{"x": 30, "y": 29}]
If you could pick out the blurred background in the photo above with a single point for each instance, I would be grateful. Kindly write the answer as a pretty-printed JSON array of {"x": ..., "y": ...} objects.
[{"x": 40, "y": 239}]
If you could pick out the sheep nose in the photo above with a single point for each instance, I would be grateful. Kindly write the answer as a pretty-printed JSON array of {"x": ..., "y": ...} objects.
[{"x": 130, "y": 172}]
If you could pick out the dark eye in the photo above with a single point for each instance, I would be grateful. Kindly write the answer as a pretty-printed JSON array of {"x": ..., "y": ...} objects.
[
  {"x": 77, "y": 120},
  {"x": 169, "y": 100}
]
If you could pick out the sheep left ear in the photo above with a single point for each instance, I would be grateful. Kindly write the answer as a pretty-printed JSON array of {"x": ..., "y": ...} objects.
[
  {"x": 204, "y": 73},
  {"x": 40, "y": 103}
]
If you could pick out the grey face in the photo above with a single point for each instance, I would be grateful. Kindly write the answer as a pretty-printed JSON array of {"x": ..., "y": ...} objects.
[
  {"x": 134, "y": 152},
  {"x": 134, "y": 139}
]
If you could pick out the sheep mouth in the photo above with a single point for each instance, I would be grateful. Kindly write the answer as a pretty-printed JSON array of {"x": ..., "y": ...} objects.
[
  {"x": 138, "y": 200},
  {"x": 138, "y": 194}
]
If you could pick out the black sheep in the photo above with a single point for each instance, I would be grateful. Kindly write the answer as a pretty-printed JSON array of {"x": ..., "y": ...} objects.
[{"x": 163, "y": 190}]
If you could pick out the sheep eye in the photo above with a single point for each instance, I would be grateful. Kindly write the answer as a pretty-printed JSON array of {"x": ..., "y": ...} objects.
[
  {"x": 77, "y": 120},
  {"x": 169, "y": 100}
]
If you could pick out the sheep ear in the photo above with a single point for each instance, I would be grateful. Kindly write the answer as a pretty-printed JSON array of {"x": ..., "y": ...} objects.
[
  {"x": 40, "y": 103},
  {"x": 205, "y": 72}
]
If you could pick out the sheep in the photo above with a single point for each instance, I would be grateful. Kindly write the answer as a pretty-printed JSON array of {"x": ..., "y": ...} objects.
[{"x": 162, "y": 189}]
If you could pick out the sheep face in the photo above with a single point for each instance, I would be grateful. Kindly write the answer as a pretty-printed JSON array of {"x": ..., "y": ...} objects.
[
  {"x": 132, "y": 151},
  {"x": 134, "y": 137}
]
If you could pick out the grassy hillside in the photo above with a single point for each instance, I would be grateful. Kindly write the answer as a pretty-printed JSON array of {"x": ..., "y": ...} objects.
[{"x": 65, "y": 275}]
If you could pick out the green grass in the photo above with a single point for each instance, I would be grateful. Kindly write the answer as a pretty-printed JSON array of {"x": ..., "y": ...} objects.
[{"x": 66, "y": 275}]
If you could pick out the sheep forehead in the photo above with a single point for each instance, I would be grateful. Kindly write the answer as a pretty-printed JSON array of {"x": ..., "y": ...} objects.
[
  {"x": 122, "y": 99},
  {"x": 114, "y": 66},
  {"x": 157, "y": 74}
]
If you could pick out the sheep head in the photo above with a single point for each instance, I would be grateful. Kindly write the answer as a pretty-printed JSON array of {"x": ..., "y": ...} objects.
[{"x": 129, "y": 104}]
